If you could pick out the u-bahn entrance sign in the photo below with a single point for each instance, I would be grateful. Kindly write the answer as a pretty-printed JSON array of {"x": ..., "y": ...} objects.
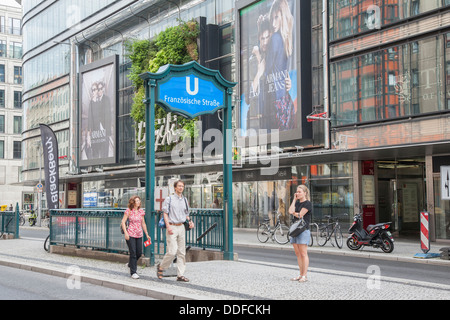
[{"x": 190, "y": 90}]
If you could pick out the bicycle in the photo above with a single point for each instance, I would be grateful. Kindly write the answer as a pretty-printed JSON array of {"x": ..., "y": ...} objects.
[
  {"x": 45, "y": 222},
  {"x": 47, "y": 244},
  {"x": 326, "y": 231},
  {"x": 311, "y": 243},
  {"x": 280, "y": 233},
  {"x": 21, "y": 218}
]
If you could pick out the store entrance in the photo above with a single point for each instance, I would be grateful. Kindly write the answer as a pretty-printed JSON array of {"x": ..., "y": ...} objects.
[{"x": 401, "y": 194}]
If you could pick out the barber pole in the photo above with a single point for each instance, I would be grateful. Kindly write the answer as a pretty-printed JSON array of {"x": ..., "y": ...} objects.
[{"x": 424, "y": 232}]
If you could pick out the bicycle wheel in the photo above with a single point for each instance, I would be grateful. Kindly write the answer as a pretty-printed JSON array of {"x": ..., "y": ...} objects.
[
  {"x": 47, "y": 244},
  {"x": 263, "y": 232},
  {"x": 282, "y": 234},
  {"x": 45, "y": 223},
  {"x": 21, "y": 221},
  {"x": 338, "y": 237},
  {"x": 322, "y": 236}
]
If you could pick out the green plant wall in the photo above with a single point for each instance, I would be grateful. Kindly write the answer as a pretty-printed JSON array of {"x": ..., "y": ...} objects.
[{"x": 175, "y": 45}]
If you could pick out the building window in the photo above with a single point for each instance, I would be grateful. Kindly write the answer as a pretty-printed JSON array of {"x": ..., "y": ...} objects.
[
  {"x": 347, "y": 20},
  {"x": 14, "y": 26},
  {"x": 2, "y": 98},
  {"x": 2, "y": 48},
  {"x": 18, "y": 99},
  {"x": 2, "y": 73},
  {"x": 17, "y": 75},
  {"x": 17, "y": 125},
  {"x": 2, "y": 24},
  {"x": 2, "y": 149},
  {"x": 447, "y": 71},
  {"x": 396, "y": 82},
  {"x": 441, "y": 211},
  {"x": 2, "y": 124},
  {"x": 15, "y": 50},
  {"x": 331, "y": 187},
  {"x": 17, "y": 150}
]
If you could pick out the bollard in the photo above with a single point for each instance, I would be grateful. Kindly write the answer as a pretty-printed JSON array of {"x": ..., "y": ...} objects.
[
  {"x": 425, "y": 238},
  {"x": 424, "y": 232}
]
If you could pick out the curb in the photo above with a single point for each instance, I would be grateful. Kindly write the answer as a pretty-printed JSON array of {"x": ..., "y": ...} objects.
[{"x": 139, "y": 289}]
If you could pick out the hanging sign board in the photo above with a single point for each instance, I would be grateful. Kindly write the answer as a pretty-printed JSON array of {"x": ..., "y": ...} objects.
[
  {"x": 190, "y": 89},
  {"x": 191, "y": 94}
]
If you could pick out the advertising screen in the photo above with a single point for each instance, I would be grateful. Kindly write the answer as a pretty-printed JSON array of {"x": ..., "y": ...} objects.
[
  {"x": 98, "y": 100},
  {"x": 269, "y": 68}
]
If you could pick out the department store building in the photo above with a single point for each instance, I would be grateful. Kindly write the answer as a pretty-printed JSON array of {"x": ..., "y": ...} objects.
[{"x": 377, "y": 97}]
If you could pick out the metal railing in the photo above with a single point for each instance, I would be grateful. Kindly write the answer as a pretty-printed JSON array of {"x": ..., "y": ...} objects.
[
  {"x": 100, "y": 229},
  {"x": 89, "y": 228},
  {"x": 9, "y": 223},
  {"x": 207, "y": 232}
]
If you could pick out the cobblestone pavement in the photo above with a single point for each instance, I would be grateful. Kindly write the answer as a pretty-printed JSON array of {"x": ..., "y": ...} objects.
[{"x": 233, "y": 280}]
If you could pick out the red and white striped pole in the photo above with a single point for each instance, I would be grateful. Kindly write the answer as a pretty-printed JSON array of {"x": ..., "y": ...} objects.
[{"x": 424, "y": 232}]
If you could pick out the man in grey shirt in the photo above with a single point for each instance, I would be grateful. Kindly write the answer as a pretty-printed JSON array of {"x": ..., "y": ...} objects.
[{"x": 176, "y": 211}]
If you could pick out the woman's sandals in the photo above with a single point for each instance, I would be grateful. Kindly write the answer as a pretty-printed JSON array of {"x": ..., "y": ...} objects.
[
  {"x": 159, "y": 272},
  {"x": 182, "y": 279},
  {"x": 300, "y": 279}
]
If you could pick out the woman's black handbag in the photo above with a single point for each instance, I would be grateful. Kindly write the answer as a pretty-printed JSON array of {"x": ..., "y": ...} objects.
[
  {"x": 297, "y": 228},
  {"x": 126, "y": 226}
]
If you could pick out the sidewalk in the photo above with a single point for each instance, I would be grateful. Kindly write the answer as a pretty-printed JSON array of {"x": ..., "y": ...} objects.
[{"x": 236, "y": 280}]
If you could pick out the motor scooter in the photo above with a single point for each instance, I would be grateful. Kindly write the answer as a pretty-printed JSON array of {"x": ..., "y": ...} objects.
[
  {"x": 33, "y": 218},
  {"x": 376, "y": 235}
]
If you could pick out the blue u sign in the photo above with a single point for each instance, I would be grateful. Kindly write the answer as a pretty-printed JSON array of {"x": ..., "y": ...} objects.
[{"x": 191, "y": 95}]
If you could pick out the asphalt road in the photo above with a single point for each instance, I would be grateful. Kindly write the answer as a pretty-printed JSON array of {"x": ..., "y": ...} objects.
[
  {"x": 393, "y": 269},
  {"x": 18, "y": 284}
]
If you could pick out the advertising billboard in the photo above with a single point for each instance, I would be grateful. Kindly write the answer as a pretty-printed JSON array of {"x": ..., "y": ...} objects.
[
  {"x": 98, "y": 101},
  {"x": 269, "y": 67}
]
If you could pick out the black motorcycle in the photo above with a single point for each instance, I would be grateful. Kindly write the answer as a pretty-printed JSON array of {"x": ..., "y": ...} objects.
[{"x": 376, "y": 235}]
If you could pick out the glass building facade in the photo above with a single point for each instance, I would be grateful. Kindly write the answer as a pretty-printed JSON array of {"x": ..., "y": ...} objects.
[
  {"x": 407, "y": 80},
  {"x": 389, "y": 90},
  {"x": 376, "y": 77}
]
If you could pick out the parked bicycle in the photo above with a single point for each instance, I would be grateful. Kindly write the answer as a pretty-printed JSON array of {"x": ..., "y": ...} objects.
[
  {"x": 21, "y": 218},
  {"x": 327, "y": 230},
  {"x": 47, "y": 244},
  {"x": 280, "y": 233},
  {"x": 311, "y": 242}
]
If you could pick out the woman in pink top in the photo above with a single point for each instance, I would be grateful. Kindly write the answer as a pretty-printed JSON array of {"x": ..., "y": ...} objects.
[{"x": 134, "y": 232}]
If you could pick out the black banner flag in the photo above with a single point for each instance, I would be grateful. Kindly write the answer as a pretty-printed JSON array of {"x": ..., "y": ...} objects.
[{"x": 51, "y": 166}]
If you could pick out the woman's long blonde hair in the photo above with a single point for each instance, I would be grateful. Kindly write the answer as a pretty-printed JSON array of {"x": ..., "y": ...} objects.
[
  {"x": 287, "y": 24},
  {"x": 306, "y": 191}
]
